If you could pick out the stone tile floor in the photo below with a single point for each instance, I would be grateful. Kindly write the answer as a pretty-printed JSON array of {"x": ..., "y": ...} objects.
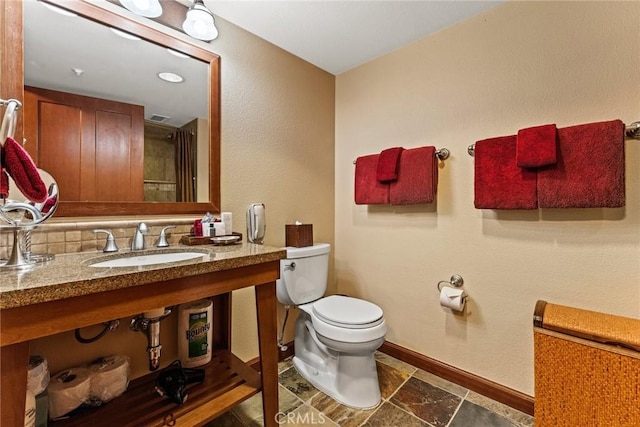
[{"x": 410, "y": 397}]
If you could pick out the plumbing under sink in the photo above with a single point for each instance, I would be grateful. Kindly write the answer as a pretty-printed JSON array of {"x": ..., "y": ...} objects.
[{"x": 135, "y": 260}]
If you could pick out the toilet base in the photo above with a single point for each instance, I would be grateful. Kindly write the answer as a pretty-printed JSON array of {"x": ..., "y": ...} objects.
[
  {"x": 361, "y": 393},
  {"x": 345, "y": 371}
]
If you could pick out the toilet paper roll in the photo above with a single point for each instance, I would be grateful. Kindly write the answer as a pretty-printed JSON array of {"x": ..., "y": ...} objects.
[
  {"x": 68, "y": 390},
  {"x": 452, "y": 298},
  {"x": 38, "y": 375},
  {"x": 109, "y": 377}
]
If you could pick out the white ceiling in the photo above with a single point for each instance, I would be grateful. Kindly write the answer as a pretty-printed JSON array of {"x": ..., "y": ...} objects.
[
  {"x": 333, "y": 35},
  {"x": 339, "y": 35}
]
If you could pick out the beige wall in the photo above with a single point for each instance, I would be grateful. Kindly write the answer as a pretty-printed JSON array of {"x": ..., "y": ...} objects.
[
  {"x": 277, "y": 149},
  {"x": 521, "y": 64}
]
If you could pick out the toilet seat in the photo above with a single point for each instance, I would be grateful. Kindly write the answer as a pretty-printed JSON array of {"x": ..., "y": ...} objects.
[
  {"x": 347, "y": 312},
  {"x": 346, "y": 319}
]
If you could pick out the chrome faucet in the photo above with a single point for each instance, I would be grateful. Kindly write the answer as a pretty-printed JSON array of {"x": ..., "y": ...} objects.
[
  {"x": 162, "y": 240},
  {"x": 110, "y": 246},
  {"x": 137, "y": 243}
]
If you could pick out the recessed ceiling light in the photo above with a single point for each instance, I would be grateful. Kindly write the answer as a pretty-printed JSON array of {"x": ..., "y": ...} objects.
[
  {"x": 124, "y": 34},
  {"x": 176, "y": 53},
  {"x": 59, "y": 10},
  {"x": 171, "y": 77}
]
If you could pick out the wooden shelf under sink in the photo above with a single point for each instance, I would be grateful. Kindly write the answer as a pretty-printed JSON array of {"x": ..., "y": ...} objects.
[{"x": 228, "y": 381}]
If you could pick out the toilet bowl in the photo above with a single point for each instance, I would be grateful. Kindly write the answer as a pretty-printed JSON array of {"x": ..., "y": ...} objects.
[{"x": 335, "y": 336}]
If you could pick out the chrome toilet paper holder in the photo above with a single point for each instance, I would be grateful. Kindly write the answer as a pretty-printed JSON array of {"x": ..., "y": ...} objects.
[{"x": 456, "y": 281}]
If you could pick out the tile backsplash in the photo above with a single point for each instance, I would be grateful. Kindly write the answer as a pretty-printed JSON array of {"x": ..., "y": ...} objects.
[{"x": 77, "y": 236}]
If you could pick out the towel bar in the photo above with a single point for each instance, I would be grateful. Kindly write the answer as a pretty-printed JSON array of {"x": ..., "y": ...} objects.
[
  {"x": 631, "y": 131},
  {"x": 5, "y": 102},
  {"x": 10, "y": 118},
  {"x": 441, "y": 153}
]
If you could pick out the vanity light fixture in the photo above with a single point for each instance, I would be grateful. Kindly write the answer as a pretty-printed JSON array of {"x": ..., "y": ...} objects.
[
  {"x": 147, "y": 8},
  {"x": 171, "y": 77},
  {"x": 199, "y": 22}
]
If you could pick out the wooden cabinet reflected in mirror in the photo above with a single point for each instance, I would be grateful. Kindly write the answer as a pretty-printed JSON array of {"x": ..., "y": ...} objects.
[
  {"x": 121, "y": 153},
  {"x": 94, "y": 147}
]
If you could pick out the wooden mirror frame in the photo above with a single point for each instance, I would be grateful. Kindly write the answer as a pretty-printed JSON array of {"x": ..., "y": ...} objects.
[{"x": 12, "y": 86}]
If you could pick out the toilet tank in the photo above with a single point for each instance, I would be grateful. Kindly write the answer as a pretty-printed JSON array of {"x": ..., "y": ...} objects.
[{"x": 303, "y": 274}]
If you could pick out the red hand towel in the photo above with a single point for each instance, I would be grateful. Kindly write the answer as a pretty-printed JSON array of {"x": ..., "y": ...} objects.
[
  {"x": 499, "y": 182},
  {"x": 417, "y": 177},
  {"x": 49, "y": 203},
  {"x": 20, "y": 166},
  {"x": 537, "y": 146},
  {"x": 368, "y": 190},
  {"x": 590, "y": 168},
  {"x": 388, "y": 163},
  {"x": 4, "y": 184},
  {"x": 4, "y": 179}
]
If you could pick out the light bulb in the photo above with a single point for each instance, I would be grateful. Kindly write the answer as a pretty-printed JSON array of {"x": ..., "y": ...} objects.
[
  {"x": 148, "y": 8},
  {"x": 199, "y": 23}
]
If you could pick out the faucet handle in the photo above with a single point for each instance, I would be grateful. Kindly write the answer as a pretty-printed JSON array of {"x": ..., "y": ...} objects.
[
  {"x": 162, "y": 241},
  {"x": 110, "y": 246}
]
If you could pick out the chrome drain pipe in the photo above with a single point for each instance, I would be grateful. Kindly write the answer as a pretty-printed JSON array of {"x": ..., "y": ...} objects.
[{"x": 149, "y": 324}]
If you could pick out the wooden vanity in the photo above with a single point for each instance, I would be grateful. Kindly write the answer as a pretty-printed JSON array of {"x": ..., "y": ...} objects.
[{"x": 68, "y": 294}]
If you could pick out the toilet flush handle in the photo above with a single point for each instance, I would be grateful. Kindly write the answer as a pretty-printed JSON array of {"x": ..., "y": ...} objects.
[{"x": 291, "y": 266}]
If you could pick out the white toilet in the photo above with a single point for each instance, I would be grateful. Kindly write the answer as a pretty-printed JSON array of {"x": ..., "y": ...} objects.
[{"x": 336, "y": 336}]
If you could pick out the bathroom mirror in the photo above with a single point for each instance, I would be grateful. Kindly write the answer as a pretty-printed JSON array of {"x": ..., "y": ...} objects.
[
  {"x": 193, "y": 104},
  {"x": 17, "y": 211}
]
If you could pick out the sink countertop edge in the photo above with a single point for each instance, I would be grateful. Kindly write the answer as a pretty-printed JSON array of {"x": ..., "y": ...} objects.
[{"x": 37, "y": 286}]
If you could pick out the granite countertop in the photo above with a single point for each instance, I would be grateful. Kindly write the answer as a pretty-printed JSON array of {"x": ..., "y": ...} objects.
[{"x": 70, "y": 275}]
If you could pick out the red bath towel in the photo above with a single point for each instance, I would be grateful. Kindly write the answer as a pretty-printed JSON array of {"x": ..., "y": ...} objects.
[
  {"x": 388, "y": 163},
  {"x": 499, "y": 182},
  {"x": 368, "y": 190},
  {"x": 417, "y": 177},
  {"x": 21, "y": 168},
  {"x": 590, "y": 168},
  {"x": 537, "y": 146}
]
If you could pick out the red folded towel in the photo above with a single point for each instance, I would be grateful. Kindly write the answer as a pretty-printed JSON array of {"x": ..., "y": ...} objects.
[
  {"x": 20, "y": 166},
  {"x": 499, "y": 182},
  {"x": 368, "y": 190},
  {"x": 49, "y": 203},
  {"x": 4, "y": 184},
  {"x": 536, "y": 146},
  {"x": 590, "y": 168},
  {"x": 388, "y": 163},
  {"x": 417, "y": 177}
]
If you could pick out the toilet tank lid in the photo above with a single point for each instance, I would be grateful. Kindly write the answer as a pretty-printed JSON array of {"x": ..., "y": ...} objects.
[{"x": 307, "y": 251}]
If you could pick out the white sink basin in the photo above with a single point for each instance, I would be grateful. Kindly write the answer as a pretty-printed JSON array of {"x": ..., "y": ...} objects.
[{"x": 148, "y": 259}]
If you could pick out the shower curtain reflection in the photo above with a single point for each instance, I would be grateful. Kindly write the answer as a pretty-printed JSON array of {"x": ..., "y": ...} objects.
[{"x": 185, "y": 166}]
